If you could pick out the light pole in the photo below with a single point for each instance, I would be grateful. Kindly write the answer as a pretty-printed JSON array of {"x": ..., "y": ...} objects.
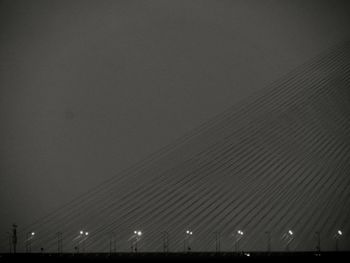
[
  {"x": 14, "y": 238},
  {"x": 268, "y": 233},
  {"x": 112, "y": 243},
  {"x": 217, "y": 242},
  {"x": 187, "y": 244},
  {"x": 86, "y": 234},
  {"x": 81, "y": 233},
  {"x": 59, "y": 242},
  {"x": 81, "y": 239},
  {"x": 110, "y": 236},
  {"x": 318, "y": 246},
  {"x": 165, "y": 242},
  {"x": 137, "y": 235},
  {"x": 289, "y": 238},
  {"x": 29, "y": 237},
  {"x": 10, "y": 241},
  {"x": 338, "y": 235},
  {"x": 238, "y": 237}
]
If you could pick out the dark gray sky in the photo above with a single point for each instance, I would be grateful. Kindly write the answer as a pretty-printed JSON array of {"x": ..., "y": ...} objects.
[{"x": 90, "y": 87}]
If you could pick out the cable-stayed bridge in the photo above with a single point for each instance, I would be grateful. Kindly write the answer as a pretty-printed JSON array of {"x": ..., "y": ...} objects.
[{"x": 270, "y": 173}]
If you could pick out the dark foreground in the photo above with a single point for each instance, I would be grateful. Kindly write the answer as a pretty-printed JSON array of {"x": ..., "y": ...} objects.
[{"x": 211, "y": 256}]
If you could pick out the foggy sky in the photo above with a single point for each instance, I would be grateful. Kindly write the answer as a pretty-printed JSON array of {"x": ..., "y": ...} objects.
[{"x": 88, "y": 88}]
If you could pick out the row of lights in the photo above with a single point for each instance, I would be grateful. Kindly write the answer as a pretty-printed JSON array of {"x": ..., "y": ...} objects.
[{"x": 189, "y": 233}]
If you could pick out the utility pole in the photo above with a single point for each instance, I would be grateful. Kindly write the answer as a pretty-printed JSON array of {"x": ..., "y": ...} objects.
[{"x": 14, "y": 237}]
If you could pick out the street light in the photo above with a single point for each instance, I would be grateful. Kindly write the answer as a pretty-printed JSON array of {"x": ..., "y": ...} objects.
[
  {"x": 337, "y": 237},
  {"x": 165, "y": 241},
  {"x": 81, "y": 239},
  {"x": 137, "y": 234},
  {"x": 59, "y": 242},
  {"x": 10, "y": 241},
  {"x": 289, "y": 238},
  {"x": 217, "y": 242},
  {"x": 238, "y": 237},
  {"x": 112, "y": 243},
  {"x": 187, "y": 244},
  {"x": 29, "y": 237},
  {"x": 14, "y": 238},
  {"x": 84, "y": 240},
  {"x": 268, "y": 233},
  {"x": 318, "y": 246}
]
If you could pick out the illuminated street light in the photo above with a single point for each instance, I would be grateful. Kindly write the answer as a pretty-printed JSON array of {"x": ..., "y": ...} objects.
[
  {"x": 137, "y": 235},
  {"x": 187, "y": 243},
  {"x": 237, "y": 238},
  {"x": 188, "y": 232},
  {"x": 29, "y": 237},
  {"x": 337, "y": 238},
  {"x": 289, "y": 237},
  {"x": 81, "y": 239}
]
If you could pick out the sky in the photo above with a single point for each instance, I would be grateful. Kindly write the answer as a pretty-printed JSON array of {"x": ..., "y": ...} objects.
[{"x": 88, "y": 88}]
